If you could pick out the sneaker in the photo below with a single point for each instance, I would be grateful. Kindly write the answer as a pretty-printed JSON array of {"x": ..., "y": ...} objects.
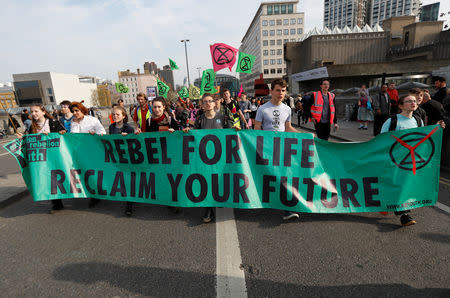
[
  {"x": 209, "y": 216},
  {"x": 290, "y": 215},
  {"x": 360, "y": 127},
  {"x": 406, "y": 220},
  {"x": 364, "y": 128}
]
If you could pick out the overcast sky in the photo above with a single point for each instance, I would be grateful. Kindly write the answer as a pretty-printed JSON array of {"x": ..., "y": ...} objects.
[{"x": 101, "y": 37}]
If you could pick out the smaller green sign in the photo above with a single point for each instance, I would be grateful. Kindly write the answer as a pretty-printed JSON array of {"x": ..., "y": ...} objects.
[
  {"x": 163, "y": 89},
  {"x": 245, "y": 63},
  {"x": 183, "y": 93},
  {"x": 121, "y": 88},
  {"x": 173, "y": 65}
]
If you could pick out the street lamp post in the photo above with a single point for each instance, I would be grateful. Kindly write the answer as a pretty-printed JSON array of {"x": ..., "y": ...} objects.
[
  {"x": 199, "y": 68},
  {"x": 187, "y": 63}
]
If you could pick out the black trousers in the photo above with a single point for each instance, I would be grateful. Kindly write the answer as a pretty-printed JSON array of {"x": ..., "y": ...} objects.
[
  {"x": 378, "y": 123},
  {"x": 323, "y": 130}
]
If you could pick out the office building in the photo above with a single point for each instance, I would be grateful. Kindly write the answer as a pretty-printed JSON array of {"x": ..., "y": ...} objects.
[
  {"x": 166, "y": 75},
  {"x": 7, "y": 97},
  {"x": 136, "y": 82},
  {"x": 50, "y": 88},
  {"x": 274, "y": 24},
  {"x": 430, "y": 13},
  {"x": 385, "y": 9},
  {"x": 345, "y": 13}
]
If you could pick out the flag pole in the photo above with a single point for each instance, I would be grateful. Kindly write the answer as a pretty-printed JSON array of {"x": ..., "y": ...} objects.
[{"x": 9, "y": 117}]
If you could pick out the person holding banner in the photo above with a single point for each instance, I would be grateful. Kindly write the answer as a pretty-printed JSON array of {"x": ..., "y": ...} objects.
[
  {"x": 276, "y": 116},
  {"x": 210, "y": 119},
  {"x": 161, "y": 120},
  {"x": 120, "y": 126},
  {"x": 142, "y": 113},
  {"x": 83, "y": 123},
  {"x": 323, "y": 111},
  {"x": 406, "y": 119},
  {"x": 43, "y": 122}
]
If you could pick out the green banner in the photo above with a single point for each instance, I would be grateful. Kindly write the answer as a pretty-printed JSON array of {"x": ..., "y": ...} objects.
[
  {"x": 184, "y": 92},
  {"x": 207, "y": 85},
  {"x": 173, "y": 65},
  {"x": 245, "y": 63},
  {"x": 247, "y": 169},
  {"x": 121, "y": 88},
  {"x": 163, "y": 89}
]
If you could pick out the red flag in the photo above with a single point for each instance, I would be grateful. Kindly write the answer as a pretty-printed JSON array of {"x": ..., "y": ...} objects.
[
  {"x": 240, "y": 91},
  {"x": 222, "y": 56}
]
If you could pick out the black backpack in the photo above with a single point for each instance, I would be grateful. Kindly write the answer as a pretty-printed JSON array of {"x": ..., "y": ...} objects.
[{"x": 393, "y": 125}]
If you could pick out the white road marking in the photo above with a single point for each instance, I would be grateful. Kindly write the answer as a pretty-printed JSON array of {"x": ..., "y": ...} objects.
[
  {"x": 2, "y": 154},
  {"x": 443, "y": 207},
  {"x": 230, "y": 277}
]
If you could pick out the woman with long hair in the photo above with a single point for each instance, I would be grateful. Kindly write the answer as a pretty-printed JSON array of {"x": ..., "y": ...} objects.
[
  {"x": 43, "y": 122},
  {"x": 405, "y": 120}
]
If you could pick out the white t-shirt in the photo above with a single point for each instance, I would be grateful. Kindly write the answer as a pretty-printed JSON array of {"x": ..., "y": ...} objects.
[
  {"x": 86, "y": 125},
  {"x": 273, "y": 117}
]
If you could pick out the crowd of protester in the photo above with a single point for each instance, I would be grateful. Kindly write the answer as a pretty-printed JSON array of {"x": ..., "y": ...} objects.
[{"x": 218, "y": 111}]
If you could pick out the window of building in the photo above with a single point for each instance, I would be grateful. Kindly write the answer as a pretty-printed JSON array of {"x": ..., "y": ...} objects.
[
  {"x": 292, "y": 39},
  {"x": 264, "y": 22},
  {"x": 50, "y": 91},
  {"x": 279, "y": 22},
  {"x": 279, "y": 32},
  {"x": 272, "y": 42},
  {"x": 276, "y": 9},
  {"x": 286, "y": 31},
  {"x": 272, "y": 32},
  {"x": 283, "y": 9},
  {"x": 279, "y": 42},
  {"x": 266, "y": 71},
  {"x": 299, "y": 31},
  {"x": 272, "y": 52},
  {"x": 290, "y": 8},
  {"x": 279, "y": 70},
  {"x": 286, "y": 22},
  {"x": 285, "y": 40},
  {"x": 265, "y": 52},
  {"x": 293, "y": 21},
  {"x": 272, "y": 61},
  {"x": 272, "y": 22},
  {"x": 292, "y": 31},
  {"x": 265, "y": 43},
  {"x": 51, "y": 99},
  {"x": 280, "y": 61},
  {"x": 272, "y": 71},
  {"x": 279, "y": 52},
  {"x": 299, "y": 21},
  {"x": 269, "y": 9},
  {"x": 265, "y": 33},
  {"x": 266, "y": 62}
]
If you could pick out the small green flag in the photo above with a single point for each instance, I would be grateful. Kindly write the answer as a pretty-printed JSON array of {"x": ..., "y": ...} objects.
[
  {"x": 121, "y": 88},
  {"x": 194, "y": 92},
  {"x": 207, "y": 85},
  {"x": 163, "y": 89},
  {"x": 173, "y": 65},
  {"x": 183, "y": 93},
  {"x": 245, "y": 63}
]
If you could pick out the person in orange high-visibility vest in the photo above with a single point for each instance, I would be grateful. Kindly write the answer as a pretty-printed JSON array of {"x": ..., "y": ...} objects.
[
  {"x": 142, "y": 113},
  {"x": 323, "y": 111}
]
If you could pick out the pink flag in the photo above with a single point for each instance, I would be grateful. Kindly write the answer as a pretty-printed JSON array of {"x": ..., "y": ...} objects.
[
  {"x": 240, "y": 91},
  {"x": 222, "y": 56}
]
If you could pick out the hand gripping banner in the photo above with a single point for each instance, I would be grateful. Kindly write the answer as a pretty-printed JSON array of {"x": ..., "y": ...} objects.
[{"x": 248, "y": 169}]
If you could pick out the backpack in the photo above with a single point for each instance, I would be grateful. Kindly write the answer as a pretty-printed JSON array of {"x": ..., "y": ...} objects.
[{"x": 393, "y": 125}]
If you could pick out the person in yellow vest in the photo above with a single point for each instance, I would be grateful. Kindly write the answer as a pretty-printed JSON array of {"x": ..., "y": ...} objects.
[
  {"x": 323, "y": 111},
  {"x": 142, "y": 113},
  {"x": 234, "y": 108}
]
